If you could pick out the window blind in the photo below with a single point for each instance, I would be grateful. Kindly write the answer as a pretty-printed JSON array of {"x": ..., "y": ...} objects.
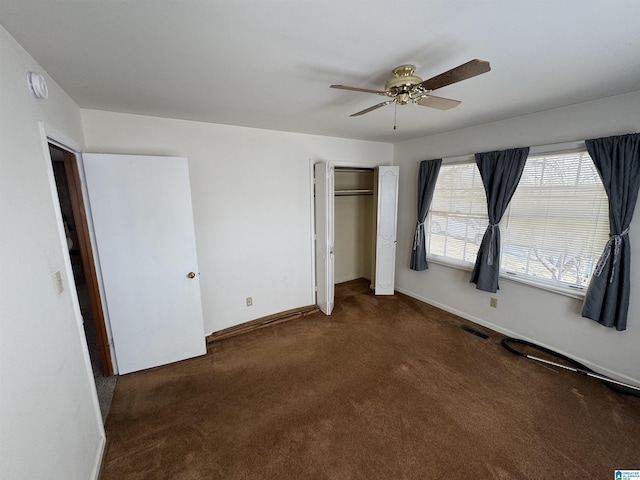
[
  {"x": 557, "y": 223},
  {"x": 458, "y": 216}
]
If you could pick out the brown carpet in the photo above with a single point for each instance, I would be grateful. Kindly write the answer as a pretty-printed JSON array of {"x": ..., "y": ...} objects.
[{"x": 385, "y": 388}]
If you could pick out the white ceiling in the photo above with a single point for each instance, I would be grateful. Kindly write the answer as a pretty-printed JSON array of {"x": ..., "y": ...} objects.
[{"x": 269, "y": 63}]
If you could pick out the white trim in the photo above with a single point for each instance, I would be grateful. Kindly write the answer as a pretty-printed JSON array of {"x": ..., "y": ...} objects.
[
  {"x": 314, "y": 286},
  {"x": 60, "y": 139},
  {"x": 97, "y": 464},
  {"x": 557, "y": 148},
  {"x": 567, "y": 291},
  {"x": 459, "y": 159},
  {"x": 509, "y": 333},
  {"x": 533, "y": 150}
]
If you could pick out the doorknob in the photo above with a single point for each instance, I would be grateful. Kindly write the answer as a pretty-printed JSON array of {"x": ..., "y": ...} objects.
[{"x": 191, "y": 275}]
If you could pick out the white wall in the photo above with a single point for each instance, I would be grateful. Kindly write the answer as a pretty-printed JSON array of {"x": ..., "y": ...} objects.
[
  {"x": 251, "y": 199},
  {"x": 525, "y": 312},
  {"x": 50, "y": 425}
]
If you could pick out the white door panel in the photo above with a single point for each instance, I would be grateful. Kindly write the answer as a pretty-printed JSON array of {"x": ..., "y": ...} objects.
[
  {"x": 324, "y": 205},
  {"x": 387, "y": 208},
  {"x": 143, "y": 222}
]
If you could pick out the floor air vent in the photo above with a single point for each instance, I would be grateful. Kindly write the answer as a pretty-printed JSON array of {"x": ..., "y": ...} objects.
[{"x": 477, "y": 333}]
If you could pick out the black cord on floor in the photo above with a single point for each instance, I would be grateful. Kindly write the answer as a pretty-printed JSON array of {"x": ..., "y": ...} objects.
[{"x": 618, "y": 387}]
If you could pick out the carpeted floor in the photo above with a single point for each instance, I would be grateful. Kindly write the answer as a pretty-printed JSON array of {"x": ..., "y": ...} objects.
[{"x": 385, "y": 388}]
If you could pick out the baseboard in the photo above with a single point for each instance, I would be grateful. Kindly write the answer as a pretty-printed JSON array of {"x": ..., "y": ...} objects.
[
  {"x": 97, "y": 466},
  {"x": 262, "y": 322},
  {"x": 509, "y": 333}
]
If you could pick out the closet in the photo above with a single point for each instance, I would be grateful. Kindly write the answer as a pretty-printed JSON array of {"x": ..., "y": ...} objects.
[
  {"x": 353, "y": 223},
  {"x": 355, "y": 228}
]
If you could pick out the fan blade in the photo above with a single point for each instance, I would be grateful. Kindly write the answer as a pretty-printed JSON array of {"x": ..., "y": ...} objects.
[
  {"x": 359, "y": 89},
  {"x": 436, "y": 102},
  {"x": 457, "y": 74},
  {"x": 370, "y": 109}
]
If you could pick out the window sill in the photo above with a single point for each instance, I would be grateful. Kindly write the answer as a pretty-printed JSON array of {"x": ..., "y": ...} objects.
[{"x": 573, "y": 292}]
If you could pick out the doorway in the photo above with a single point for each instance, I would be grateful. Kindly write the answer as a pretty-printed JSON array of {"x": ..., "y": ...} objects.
[
  {"x": 382, "y": 183},
  {"x": 68, "y": 185}
]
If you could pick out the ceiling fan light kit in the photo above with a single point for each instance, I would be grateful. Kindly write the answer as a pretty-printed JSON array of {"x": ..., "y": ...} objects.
[{"x": 404, "y": 87}]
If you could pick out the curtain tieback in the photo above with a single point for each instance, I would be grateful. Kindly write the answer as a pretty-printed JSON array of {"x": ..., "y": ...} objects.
[
  {"x": 615, "y": 241},
  {"x": 492, "y": 226},
  {"x": 416, "y": 235}
]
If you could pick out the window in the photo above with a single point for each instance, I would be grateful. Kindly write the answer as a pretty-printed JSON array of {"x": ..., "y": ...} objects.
[
  {"x": 553, "y": 231},
  {"x": 557, "y": 223},
  {"x": 458, "y": 215}
]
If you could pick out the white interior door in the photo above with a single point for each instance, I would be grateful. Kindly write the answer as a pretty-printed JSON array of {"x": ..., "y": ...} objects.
[
  {"x": 143, "y": 222},
  {"x": 386, "y": 224},
  {"x": 324, "y": 207}
]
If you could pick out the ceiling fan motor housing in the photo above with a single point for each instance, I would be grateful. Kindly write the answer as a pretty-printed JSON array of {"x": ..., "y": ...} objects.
[{"x": 402, "y": 84}]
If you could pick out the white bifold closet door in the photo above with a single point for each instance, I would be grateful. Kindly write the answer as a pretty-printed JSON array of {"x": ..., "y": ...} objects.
[
  {"x": 143, "y": 222},
  {"x": 386, "y": 194},
  {"x": 386, "y": 197},
  {"x": 324, "y": 208}
]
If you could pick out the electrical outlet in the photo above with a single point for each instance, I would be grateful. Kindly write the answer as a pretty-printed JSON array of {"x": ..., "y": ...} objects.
[
  {"x": 493, "y": 302},
  {"x": 59, "y": 284},
  {"x": 249, "y": 301}
]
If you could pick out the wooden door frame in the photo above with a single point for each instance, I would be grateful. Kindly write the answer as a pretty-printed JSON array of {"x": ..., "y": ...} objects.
[{"x": 87, "y": 257}]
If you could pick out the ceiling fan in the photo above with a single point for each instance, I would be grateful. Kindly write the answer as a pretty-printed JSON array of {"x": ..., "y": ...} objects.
[{"x": 403, "y": 86}]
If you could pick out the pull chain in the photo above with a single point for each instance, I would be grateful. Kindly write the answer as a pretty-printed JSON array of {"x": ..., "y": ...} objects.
[{"x": 395, "y": 115}]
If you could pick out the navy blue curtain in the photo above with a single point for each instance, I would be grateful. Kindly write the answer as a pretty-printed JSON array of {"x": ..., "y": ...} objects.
[
  {"x": 618, "y": 162},
  {"x": 427, "y": 176},
  {"x": 500, "y": 172}
]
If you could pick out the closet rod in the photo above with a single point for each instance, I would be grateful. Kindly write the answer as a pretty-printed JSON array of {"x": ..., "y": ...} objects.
[
  {"x": 344, "y": 193},
  {"x": 353, "y": 169}
]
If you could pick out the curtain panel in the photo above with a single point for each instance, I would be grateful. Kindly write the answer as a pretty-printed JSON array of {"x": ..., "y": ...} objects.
[
  {"x": 427, "y": 177},
  {"x": 500, "y": 172},
  {"x": 617, "y": 160}
]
